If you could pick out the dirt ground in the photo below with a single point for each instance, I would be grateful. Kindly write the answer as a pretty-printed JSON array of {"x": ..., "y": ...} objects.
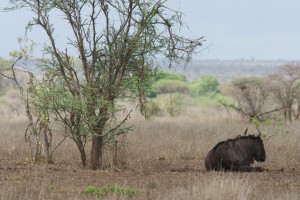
[
  {"x": 163, "y": 159},
  {"x": 24, "y": 181}
]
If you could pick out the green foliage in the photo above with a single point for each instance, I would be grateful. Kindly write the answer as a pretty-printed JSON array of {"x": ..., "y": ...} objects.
[
  {"x": 206, "y": 91},
  {"x": 170, "y": 86},
  {"x": 152, "y": 109},
  {"x": 120, "y": 190},
  {"x": 224, "y": 100},
  {"x": 174, "y": 104},
  {"x": 109, "y": 188},
  {"x": 172, "y": 76},
  {"x": 278, "y": 124},
  {"x": 167, "y": 82},
  {"x": 93, "y": 190},
  {"x": 136, "y": 86},
  {"x": 205, "y": 86}
]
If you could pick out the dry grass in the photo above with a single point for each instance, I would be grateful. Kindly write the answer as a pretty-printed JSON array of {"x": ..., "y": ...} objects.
[{"x": 162, "y": 158}]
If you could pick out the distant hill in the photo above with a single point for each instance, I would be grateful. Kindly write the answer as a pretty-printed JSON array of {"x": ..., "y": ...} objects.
[{"x": 226, "y": 70}]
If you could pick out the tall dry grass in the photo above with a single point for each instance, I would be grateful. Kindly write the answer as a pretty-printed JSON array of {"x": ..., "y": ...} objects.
[{"x": 162, "y": 157}]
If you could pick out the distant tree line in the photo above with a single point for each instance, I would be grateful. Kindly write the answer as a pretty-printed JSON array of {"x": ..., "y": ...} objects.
[{"x": 275, "y": 95}]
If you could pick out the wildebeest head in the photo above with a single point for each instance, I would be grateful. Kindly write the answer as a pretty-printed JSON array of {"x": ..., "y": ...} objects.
[{"x": 259, "y": 153}]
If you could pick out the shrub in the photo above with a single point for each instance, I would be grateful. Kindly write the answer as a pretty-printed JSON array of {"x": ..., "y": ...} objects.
[
  {"x": 204, "y": 86},
  {"x": 173, "y": 105},
  {"x": 167, "y": 82},
  {"x": 170, "y": 86},
  {"x": 172, "y": 76},
  {"x": 152, "y": 109}
]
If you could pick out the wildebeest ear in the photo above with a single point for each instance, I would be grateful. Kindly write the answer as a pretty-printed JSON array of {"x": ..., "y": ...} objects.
[{"x": 246, "y": 131}]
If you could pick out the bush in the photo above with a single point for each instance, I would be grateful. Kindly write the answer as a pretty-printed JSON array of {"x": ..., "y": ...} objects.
[
  {"x": 152, "y": 109},
  {"x": 167, "y": 82},
  {"x": 170, "y": 86},
  {"x": 173, "y": 105},
  {"x": 172, "y": 76},
  {"x": 206, "y": 85}
]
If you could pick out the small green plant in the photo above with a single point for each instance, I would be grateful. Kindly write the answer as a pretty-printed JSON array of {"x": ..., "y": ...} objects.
[
  {"x": 109, "y": 188},
  {"x": 120, "y": 190},
  {"x": 93, "y": 190}
]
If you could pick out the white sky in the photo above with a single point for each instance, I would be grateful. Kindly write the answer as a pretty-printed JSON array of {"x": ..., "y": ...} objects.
[{"x": 234, "y": 29}]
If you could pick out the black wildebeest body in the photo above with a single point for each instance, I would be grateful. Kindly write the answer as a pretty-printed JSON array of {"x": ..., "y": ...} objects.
[{"x": 236, "y": 154}]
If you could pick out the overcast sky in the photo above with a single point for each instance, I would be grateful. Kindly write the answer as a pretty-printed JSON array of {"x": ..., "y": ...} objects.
[{"x": 234, "y": 29}]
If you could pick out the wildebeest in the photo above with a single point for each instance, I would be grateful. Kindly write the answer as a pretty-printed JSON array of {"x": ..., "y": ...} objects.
[{"x": 236, "y": 154}]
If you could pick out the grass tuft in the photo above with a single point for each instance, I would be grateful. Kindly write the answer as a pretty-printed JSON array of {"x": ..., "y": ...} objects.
[
  {"x": 93, "y": 190},
  {"x": 109, "y": 188}
]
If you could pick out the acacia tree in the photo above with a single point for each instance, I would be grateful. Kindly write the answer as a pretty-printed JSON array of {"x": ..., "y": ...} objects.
[
  {"x": 251, "y": 95},
  {"x": 117, "y": 42},
  {"x": 284, "y": 85}
]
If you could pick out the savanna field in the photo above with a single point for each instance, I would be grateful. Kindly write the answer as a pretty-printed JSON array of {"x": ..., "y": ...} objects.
[
  {"x": 109, "y": 100},
  {"x": 161, "y": 158}
]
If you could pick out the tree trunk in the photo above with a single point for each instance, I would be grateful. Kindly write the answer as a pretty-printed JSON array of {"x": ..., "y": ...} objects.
[
  {"x": 82, "y": 152},
  {"x": 35, "y": 146},
  {"x": 46, "y": 145},
  {"x": 96, "y": 152},
  {"x": 290, "y": 114},
  {"x": 298, "y": 110},
  {"x": 115, "y": 158},
  {"x": 285, "y": 114}
]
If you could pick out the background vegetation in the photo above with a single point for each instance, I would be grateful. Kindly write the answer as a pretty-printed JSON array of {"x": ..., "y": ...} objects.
[{"x": 162, "y": 157}]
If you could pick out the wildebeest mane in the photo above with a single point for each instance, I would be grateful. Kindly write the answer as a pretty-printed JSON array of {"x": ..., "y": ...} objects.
[{"x": 239, "y": 137}]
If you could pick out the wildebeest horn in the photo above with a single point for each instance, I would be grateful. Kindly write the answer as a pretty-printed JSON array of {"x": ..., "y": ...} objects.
[
  {"x": 246, "y": 131},
  {"x": 259, "y": 134}
]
